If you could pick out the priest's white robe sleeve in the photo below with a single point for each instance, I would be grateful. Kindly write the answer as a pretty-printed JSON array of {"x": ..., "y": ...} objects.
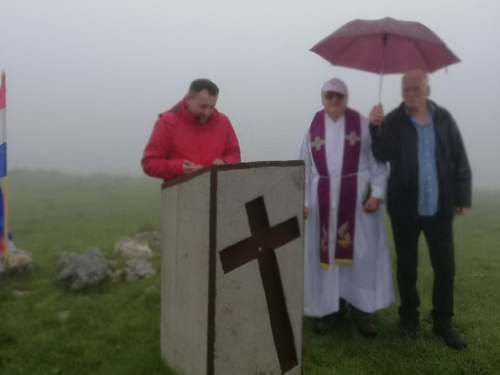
[{"x": 305, "y": 155}]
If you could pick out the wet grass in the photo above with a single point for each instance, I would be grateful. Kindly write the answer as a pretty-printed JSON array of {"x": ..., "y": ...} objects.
[
  {"x": 110, "y": 330},
  {"x": 115, "y": 329},
  {"x": 477, "y": 300}
]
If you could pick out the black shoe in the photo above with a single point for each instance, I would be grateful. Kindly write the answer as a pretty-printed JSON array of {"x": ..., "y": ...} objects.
[
  {"x": 327, "y": 323},
  {"x": 451, "y": 338},
  {"x": 366, "y": 327},
  {"x": 409, "y": 328}
]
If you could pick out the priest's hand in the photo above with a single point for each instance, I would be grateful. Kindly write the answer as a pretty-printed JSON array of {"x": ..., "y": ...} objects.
[
  {"x": 189, "y": 167},
  {"x": 306, "y": 212},
  {"x": 218, "y": 162},
  {"x": 460, "y": 211},
  {"x": 376, "y": 115},
  {"x": 371, "y": 205}
]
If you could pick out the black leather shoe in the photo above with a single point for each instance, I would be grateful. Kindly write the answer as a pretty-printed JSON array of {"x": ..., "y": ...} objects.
[
  {"x": 327, "y": 323},
  {"x": 409, "y": 328},
  {"x": 366, "y": 327},
  {"x": 451, "y": 338}
]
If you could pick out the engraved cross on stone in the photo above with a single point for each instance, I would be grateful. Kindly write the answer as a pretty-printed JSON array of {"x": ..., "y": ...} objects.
[
  {"x": 352, "y": 138},
  {"x": 260, "y": 246}
]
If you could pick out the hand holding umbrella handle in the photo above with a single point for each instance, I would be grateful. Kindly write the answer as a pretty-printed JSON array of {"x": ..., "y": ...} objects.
[{"x": 376, "y": 115}]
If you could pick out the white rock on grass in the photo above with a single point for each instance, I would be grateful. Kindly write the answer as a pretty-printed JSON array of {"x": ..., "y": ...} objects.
[
  {"x": 132, "y": 248},
  {"x": 20, "y": 293},
  {"x": 17, "y": 260},
  {"x": 138, "y": 268},
  {"x": 79, "y": 272},
  {"x": 63, "y": 315},
  {"x": 152, "y": 238}
]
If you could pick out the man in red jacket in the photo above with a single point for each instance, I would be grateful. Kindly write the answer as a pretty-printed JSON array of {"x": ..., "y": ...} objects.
[{"x": 191, "y": 135}]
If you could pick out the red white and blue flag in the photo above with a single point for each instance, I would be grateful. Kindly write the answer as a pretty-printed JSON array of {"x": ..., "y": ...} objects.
[
  {"x": 3, "y": 163},
  {"x": 3, "y": 141}
]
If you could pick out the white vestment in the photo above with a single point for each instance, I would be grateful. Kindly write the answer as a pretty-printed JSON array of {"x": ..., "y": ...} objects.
[{"x": 367, "y": 282}]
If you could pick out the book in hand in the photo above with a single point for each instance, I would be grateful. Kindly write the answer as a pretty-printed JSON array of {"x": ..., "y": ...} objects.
[{"x": 367, "y": 193}]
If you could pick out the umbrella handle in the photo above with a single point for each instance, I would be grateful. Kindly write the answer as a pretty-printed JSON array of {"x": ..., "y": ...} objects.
[{"x": 380, "y": 88}]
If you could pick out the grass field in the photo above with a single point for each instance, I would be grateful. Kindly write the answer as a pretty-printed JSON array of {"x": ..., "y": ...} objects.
[{"x": 115, "y": 329}]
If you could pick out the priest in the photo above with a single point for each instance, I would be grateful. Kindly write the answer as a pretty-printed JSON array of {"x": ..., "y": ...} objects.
[{"x": 347, "y": 263}]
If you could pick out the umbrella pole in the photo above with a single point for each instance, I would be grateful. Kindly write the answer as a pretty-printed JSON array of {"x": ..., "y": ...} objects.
[{"x": 382, "y": 68}]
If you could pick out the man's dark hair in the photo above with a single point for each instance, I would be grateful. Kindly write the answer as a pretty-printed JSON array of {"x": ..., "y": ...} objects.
[{"x": 203, "y": 84}]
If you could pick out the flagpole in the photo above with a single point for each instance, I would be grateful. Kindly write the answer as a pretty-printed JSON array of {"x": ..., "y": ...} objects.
[{"x": 5, "y": 222}]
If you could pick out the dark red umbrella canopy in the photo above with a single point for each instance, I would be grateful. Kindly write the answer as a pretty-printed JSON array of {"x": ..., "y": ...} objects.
[{"x": 385, "y": 46}]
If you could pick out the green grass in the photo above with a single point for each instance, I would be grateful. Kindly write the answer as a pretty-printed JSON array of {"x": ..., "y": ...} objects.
[
  {"x": 115, "y": 329},
  {"x": 477, "y": 300}
]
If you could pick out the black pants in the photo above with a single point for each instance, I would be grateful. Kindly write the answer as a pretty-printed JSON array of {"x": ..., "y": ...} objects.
[
  {"x": 354, "y": 313},
  {"x": 439, "y": 236}
]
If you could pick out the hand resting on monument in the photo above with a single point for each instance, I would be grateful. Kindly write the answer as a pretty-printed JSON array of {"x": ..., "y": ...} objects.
[
  {"x": 218, "y": 162},
  {"x": 189, "y": 167}
]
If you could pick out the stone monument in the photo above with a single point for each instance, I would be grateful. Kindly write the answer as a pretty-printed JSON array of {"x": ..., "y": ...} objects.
[{"x": 232, "y": 270}]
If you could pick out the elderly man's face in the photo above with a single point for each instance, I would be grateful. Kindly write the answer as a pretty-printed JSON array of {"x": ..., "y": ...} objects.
[
  {"x": 415, "y": 92},
  {"x": 334, "y": 103},
  {"x": 201, "y": 105}
]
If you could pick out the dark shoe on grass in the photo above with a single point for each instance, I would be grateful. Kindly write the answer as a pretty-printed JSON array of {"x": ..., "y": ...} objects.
[
  {"x": 451, "y": 338},
  {"x": 409, "y": 328},
  {"x": 366, "y": 327},
  {"x": 327, "y": 323}
]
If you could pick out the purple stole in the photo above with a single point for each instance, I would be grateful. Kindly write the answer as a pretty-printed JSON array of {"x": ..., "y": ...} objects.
[{"x": 348, "y": 186}]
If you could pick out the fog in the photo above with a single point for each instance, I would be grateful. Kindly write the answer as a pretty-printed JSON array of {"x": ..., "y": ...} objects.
[{"x": 86, "y": 80}]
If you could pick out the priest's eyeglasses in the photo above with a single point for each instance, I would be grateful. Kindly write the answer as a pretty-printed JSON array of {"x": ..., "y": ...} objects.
[{"x": 329, "y": 95}]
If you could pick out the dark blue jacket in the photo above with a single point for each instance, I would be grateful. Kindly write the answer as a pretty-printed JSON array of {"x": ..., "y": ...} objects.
[{"x": 395, "y": 141}]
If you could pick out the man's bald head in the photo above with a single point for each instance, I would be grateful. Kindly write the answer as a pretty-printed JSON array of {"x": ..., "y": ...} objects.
[
  {"x": 415, "y": 89},
  {"x": 418, "y": 75}
]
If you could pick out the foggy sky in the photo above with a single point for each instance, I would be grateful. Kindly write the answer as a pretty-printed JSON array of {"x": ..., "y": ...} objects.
[{"x": 86, "y": 79}]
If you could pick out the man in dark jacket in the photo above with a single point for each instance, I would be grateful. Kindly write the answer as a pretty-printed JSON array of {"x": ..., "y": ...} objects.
[{"x": 429, "y": 182}]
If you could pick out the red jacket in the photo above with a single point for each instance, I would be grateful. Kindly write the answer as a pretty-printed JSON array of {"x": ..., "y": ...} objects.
[{"x": 177, "y": 136}]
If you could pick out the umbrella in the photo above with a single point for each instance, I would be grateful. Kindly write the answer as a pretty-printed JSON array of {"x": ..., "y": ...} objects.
[{"x": 385, "y": 46}]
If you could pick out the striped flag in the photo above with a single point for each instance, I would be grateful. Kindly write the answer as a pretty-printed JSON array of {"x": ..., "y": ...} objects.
[
  {"x": 3, "y": 143},
  {"x": 3, "y": 167}
]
